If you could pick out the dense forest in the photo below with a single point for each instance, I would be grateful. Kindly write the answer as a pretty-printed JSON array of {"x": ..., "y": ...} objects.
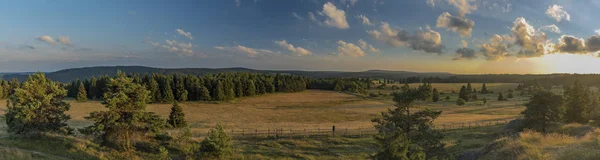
[{"x": 215, "y": 87}]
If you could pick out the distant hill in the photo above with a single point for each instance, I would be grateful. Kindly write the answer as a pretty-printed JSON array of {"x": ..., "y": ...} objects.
[{"x": 69, "y": 75}]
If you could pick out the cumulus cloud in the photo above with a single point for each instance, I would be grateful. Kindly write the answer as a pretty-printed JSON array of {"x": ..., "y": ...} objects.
[
  {"x": 430, "y": 3},
  {"x": 365, "y": 20},
  {"x": 66, "y": 40},
  {"x": 426, "y": 40},
  {"x": 558, "y": 13},
  {"x": 365, "y": 46},
  {"x": 551, "y": 28},
  {"x": 464, "y": 6},
  {"x": 574, "y": 45},
  {"x": 335, "y": 17},
  {"x": 47, "y": 39},
  {"x": 349, "y": 49},
  {"x": 179, "y": 48},
  {"x": 299, "y": 51},
  {"x": 465, "y": 53},
  {"x": 246, "y": 50},
  {"x": 186, "y": 34},
  {"x": 495, "y": 48},
  {"x": 533, "y": 43},
  {"x": 597, "y": 31},
  {"x": 461, "y": 25}
]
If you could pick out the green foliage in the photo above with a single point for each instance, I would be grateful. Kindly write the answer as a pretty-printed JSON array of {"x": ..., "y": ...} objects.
[
  {"x": 399, "y": 124},
  {"x": 577, "y": 103},
  {"x": 484, "y": 89},
  {"x": 510, "y": 95},
  {"x": 217, "y": 144},
  {"x": 485, "y": 101},
  {"x": 464, "y": 93},
  {"x": 126, "y": 117},
  {"x": 81, "y": 94},
  {"x": 436, "y": 95},
  {"x": 396, "y": 146},
  {"x": 500, "y": 97},
  {"x": 469, "y": 87},
  {"x": 543, "y": 108},
  {"x": 38, "y": 107},
  {"x": 447, "y": 98},
  {"x": 177, "y": 117},
  {"x": 460, "y": 101}
]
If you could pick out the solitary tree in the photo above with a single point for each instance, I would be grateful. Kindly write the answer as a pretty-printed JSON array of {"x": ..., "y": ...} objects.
[
  {"x": 577, "y": 103},
  {"x": 37, "y": 106},
  {"x": 399, "y": 126},
  {"x": 543, "y": 108},
  {"x": 500, "y": 97},
  {"x": 469, "y": 87},
  {"x": 126, "y": 117},
  {"x": 81, "y": 93},
  {"x": 484, "y": 89},
  {"x": 436, "y": 95},
  {"x": 177, "y": 117},
  {"x": 460, "y": 101},
  {"x": 463, "y": 93},
  {"x": 217, "y": 144}
]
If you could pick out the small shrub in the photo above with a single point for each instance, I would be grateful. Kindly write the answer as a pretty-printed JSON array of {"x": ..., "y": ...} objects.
[
  {"x": 460, "y": 102},
  {"x": 217, "y": 144}
]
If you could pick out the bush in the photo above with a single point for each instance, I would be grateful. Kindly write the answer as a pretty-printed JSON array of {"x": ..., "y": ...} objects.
[
  {"x": 460, "y": 102},
  {"x": 217, "y": 144}
]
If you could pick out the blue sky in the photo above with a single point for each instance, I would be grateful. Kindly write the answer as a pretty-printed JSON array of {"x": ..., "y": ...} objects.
[{"x": 282, "y": 35}]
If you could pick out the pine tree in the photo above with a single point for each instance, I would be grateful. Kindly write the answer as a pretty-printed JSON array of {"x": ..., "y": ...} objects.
[
  {"x": 155, "y": 95},
  {"x": 413, "y": 128},
  {"x": 463, "y": 93},
  {"x": 204, "y": 94},
  {"x": 500, "y": 97},
  {"x": 577, "y": 103},
  {"x": 81, "y": 93},
  {"x": 436, "y": 95},
  {"x": 218, "y": 93},
  {"x": 92, "y": 89},
  {"x": 217, "y": 144},
  {"x": 543, "y": 108},
  {"x": 177, "y": 117},
  {"x": 179, "y": 91},
  {"x": 251, "y": 90},
  {"x": 484, "y": 89},
  {"x": 126, "y": 117},
  {"x": 38, "y": 107},
  {"x": 469, "y": 88},
  {"x": 167, "y": 91}
]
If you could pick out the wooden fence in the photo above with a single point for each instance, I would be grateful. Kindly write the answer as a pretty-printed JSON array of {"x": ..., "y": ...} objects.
[{"x": 346, "y": 132}]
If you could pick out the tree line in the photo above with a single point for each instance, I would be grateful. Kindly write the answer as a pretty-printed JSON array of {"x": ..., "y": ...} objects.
[{"x": 215, "y": 87}]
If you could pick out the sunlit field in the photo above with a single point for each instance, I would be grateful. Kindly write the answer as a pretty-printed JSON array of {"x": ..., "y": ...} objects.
[{"x": 315, "y": 109}]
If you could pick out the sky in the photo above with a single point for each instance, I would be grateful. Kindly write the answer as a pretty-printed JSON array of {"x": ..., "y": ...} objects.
[{"x": 456, "y": 36}]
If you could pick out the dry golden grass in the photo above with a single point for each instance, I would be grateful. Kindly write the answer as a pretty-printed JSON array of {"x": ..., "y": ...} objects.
[{"x": 309, "y": 109}]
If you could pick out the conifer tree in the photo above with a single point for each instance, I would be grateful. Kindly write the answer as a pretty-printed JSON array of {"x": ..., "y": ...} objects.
[
  {"x": 167, "y": 91},
  {"x": 81, "y": 93},
  {"x": 251, "y": 90},
  {"x": 38, "y": 107},
  {"x": 469, "y": 88},
  {"x": 217, "y": 144},
  {"x": 204, "y": 94},
  {"x": 155, "y": 95},
  {"x": 484, "y": 89},
  {"x": 126, "y": 117},
  {"x": 500, "y": 97},
  {"x": 577, "y": 103},
  {"x": 218, "y": 93},
  {"x": 463, "y": 93},
  {"x": 543, "y": 108},
  {"x": 177, "y": 117},
  {"x": 436, "y": 95},
  {"x": 92, "y": 89}
]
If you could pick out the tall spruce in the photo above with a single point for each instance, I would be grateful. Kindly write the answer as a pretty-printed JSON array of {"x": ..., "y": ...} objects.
[
  {"x": 500, "y": 97},
  {"x": 577, "y": 103},
  {"x": 463, "y": 93},
  {"x": 469, "y": 88},
  {"x": 484, "y": 89},
  {"x": 81, "y": 93},
  {"x": 126, "y": 117},
  {"x": 217, "y": 145},
  {"x": 177, "y": 117},
  {"x": 38, "y": 106}
]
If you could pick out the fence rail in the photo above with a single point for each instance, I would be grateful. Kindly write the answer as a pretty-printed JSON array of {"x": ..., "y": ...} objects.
[{"x": 347, "y": 132}]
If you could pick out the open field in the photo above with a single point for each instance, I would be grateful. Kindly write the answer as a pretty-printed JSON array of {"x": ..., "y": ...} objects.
[{"x": 310, "y": 109}]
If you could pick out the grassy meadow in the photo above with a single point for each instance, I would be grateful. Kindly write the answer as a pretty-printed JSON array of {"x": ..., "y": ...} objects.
[{"x": 310, "y": 109}]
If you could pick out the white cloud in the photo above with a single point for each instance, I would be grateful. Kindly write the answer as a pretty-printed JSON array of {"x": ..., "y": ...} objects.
[
  {"x": 299, "y": 51},
  {"x": 551, "y": 28},
  {"x": 365, "y": 20},
  {"x": 558, "y": 13},
  {"x": 349, "y": 49},
  {"x": 66, "y": 40},
  {"x": 335, "y": 17},
  {"x": 533, "y": 43},
  {"x": 495, "y": 49},
  {"x": 186, "y": 34},
  {"x": 426, "y": 40},
  {"x": 365, "y": 46},
  {"x": 431, "y": 3},
  {"x": 597, "y": 31},
  {"x": 47, "y": 39},
  {"x": 251, "y": 52},
  {"x": 463, "y": 26},
  {"x": 179, "y": 48},
  {"x": 464, "y": 6}
]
